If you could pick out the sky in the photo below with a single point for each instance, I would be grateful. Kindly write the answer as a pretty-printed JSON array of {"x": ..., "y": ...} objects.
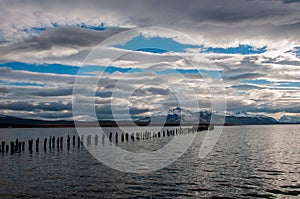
[{"x": 243, "y": 52}]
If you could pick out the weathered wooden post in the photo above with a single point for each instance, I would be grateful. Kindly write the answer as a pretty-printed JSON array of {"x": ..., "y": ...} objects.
[
  {"x": 19, "y": 147},
  {"x": 103, "y": 138},
  {"x": 122, "y": 137},
  {"x": 164, "y": 133},
  {"x": 23, "y": 146},
  {"x": 158, "y": 134},
  {"x": 68, "y": 142},
  {"x": 53, "y": 142},
  {"x": 2, "y": 146},
  {"x": 132, "y": 136},
  {"x": 116, "y": 137},
  {"x": 81, "y": 140},
  {"x": 30, "y": 142},
  {"x": 126, "y": 137},
  {"x": 74, "y": 140},
  {"x": 57, "y": 142},
  {"x": 88, "y": 140},
  {"x": 37, "y": 142},
  {"x": 45, "y": 144},
  {"x": 110, "y": 136},
  {"x": 61, "y": 142},
  {"x": 96, "y": 139},
  {"x": 12, "y": 147},
  {"x": 50, "y": 141},
  {"x": 7, "y": 148},
  {"x": 78, "y": 141}
]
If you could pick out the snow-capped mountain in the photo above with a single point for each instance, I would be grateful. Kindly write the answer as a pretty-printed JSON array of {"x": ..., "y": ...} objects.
[
  {"x": 289, "y": 120},
  {"x": 178, "y": 115}
]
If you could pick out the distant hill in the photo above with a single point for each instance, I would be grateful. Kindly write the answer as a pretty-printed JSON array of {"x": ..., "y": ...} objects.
[{"x": 289, "y": 120}]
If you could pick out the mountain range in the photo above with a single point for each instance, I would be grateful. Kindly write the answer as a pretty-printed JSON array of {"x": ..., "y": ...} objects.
[{"x": 173, "y": 117}]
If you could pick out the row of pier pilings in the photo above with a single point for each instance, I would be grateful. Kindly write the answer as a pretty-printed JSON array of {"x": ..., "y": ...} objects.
[{"x": 58, "y": 142}]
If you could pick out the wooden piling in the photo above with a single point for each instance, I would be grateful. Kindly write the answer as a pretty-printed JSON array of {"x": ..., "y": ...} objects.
[
  {"x": 116, "y": 137},
  {"x": 132, "y": 136},
  {"x": 103, "y": 138},
  {"x": 23, "y": 146},
  {"x": 57, "y": 142},
  {"x": 7, "y": 148},
  {"x": 88, "y": 140},
  {"x": 2, "y": 146},
  {"x": 68, "y": 141},
  {"x": 45, "y": 144},
  {"x": 122, "y": 137},
  {"x": 50, "y": 141},
  {"x": 19, "y": 147},
  {"x": 110, "y": 136},
  {"x": 53, "y": 142},
  {"x": 126, "y": 137},
  {"x": 61, "y": 142},
  {"x": 12, "y": 147},
  {"x": 78, "y": 141},
  {"x": 30, "y": 142},
  {"x": 74, "y": 140},
  {"x": 37, "y": 142},
  {"x": 96, "y": 139}
]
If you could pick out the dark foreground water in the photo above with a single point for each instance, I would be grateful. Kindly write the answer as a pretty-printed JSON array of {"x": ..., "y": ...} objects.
[{"x": 247, "y": 162}]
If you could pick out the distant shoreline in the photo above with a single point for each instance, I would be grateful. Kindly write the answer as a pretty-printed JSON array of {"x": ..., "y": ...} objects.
[{"x": 119, "y": 125}]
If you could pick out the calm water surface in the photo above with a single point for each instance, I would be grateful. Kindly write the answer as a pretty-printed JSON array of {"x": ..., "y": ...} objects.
[{"x": 248, "y": 161}]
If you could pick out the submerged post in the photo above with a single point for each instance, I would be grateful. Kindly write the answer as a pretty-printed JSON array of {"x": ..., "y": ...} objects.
[
  {"x": 50, "y": 141},
  {"x": 19, "y": 147},
  {"x": 96, "y": 139},
  {"x": 53, "y": 142},
  {"x": 57, "y": 142},
  {"x": 116, "y": 137},
  {"x": 103, "y": 138},
  {"x": 2, "y": 146},
  {"x": 110, "y": 136},
  {"x": 68, "y": 142},
  {"x": 74, "y": 140},
  {"x": 88, "y": 140},
  {"x": 45, "y": 144},
  {"x": 12, "y": 147},
  {"x": 30, "y": 142},
  {"x": 23, "y": 146},
  {"x": 37, "y": 142},
  {"x": 61, "y": 142}
]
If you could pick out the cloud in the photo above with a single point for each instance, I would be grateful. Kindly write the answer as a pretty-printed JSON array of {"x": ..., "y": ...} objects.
[{"x": 43, "y": 33}]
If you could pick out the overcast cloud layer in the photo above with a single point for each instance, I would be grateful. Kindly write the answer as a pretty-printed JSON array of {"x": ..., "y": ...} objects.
[{"x": 51, "y": 32}]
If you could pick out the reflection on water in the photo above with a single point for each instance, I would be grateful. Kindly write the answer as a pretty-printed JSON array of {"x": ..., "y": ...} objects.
[{"x": 248, "y": 161}]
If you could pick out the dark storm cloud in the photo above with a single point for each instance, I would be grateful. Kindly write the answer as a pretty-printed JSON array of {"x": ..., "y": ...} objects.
[
  {"x": 53, "y": 92},
  {"x": 41, "y": 106},
  {"x": 4, "y": 90},
  {"x": 65, "y": 37},
  {"x": 244, "y": 76}
]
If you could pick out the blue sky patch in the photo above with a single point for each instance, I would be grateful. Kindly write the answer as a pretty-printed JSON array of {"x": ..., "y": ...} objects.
[
  {"x": 278, "y": 84},
  {"x": 160, "y": 45},
  {"x": 241, "y": 49},
  {"x": 6, "y": 83},
  {"x": 99, "y": 27}
]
